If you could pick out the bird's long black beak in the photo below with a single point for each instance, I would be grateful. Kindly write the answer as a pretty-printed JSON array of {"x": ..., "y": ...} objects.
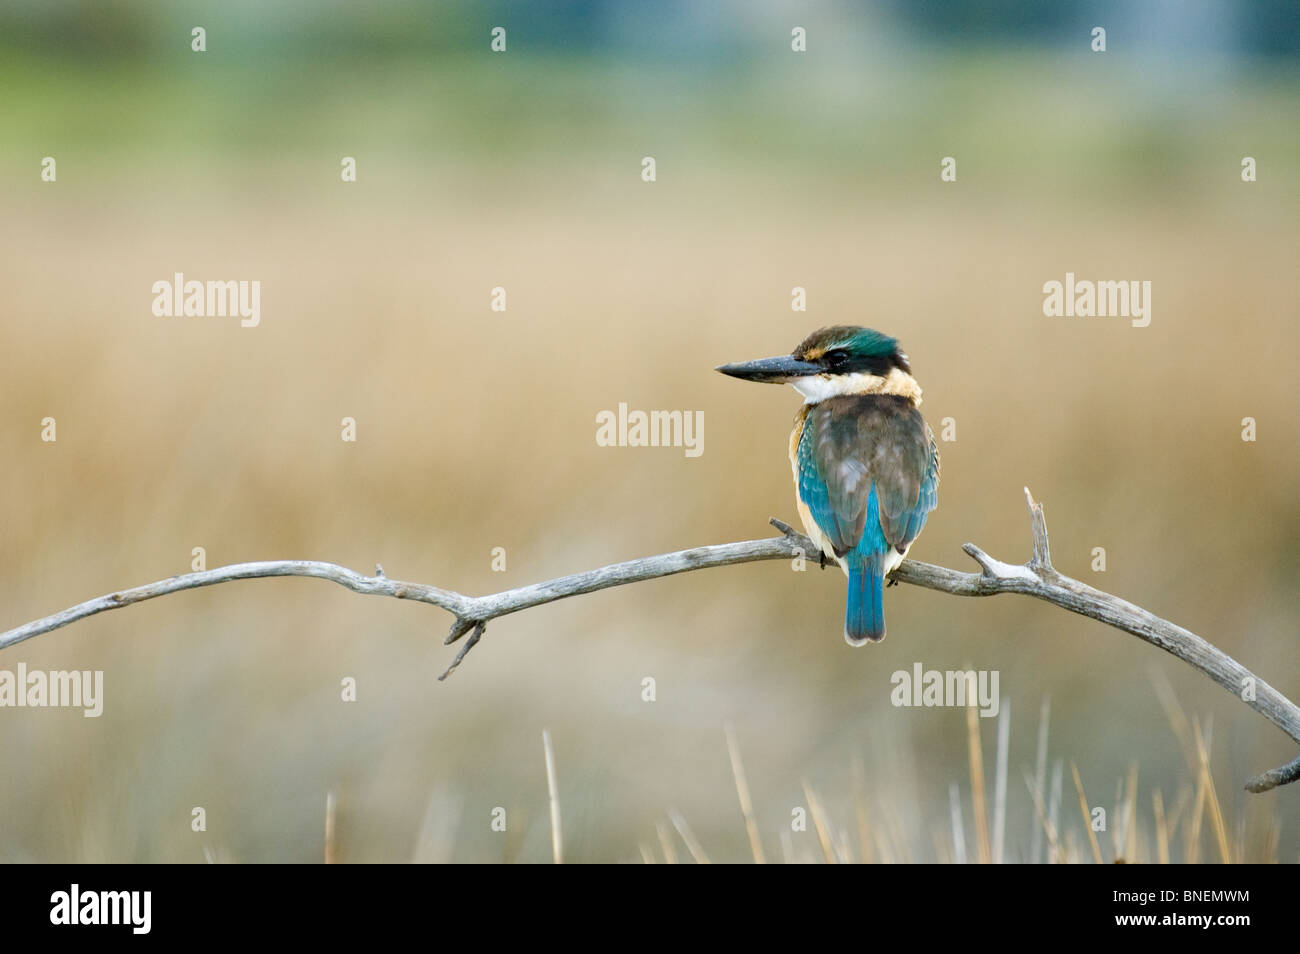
[{"x": 771, "y": 370}]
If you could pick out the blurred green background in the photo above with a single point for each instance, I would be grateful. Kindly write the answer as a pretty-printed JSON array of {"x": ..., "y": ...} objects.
[{"x": 476, "y": 428}]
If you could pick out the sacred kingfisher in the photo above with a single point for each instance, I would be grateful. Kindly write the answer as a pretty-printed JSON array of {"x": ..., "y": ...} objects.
[{"x": 866, "y": 468}]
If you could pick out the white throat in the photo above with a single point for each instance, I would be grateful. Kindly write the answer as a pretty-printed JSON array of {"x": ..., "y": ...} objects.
[{"x": 819, "y": 387}]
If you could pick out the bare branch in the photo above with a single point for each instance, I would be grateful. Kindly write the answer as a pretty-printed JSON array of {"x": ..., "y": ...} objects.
[
  {"x": 373, "y": 585},
  {"x": 1275, "y": 777},
  {"x": 1037, "y": 578}
]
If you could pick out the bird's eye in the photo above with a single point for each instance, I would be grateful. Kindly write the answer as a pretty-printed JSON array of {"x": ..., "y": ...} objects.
[{"x": 837, "y": 358}]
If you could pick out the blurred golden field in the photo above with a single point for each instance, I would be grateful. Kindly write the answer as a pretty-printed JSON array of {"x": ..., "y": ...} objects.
[{"x": 476, "y": 430}]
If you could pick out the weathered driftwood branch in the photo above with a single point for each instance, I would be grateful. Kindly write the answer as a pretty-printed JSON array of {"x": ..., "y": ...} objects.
[{"x": 1037, "y": 578}]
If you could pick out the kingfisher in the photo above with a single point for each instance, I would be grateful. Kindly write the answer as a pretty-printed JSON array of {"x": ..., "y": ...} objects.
[{"x": 865, "y": 464}]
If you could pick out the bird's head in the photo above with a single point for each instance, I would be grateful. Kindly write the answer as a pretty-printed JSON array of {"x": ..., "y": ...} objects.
[{"x": 844, "y": 359}]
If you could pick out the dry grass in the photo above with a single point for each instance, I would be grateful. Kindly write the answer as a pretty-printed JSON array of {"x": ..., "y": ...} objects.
[{"x": 1134, "y": 838}]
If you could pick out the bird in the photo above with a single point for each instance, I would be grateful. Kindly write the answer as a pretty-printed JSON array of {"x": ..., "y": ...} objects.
[{"x": 865, "y": 463}]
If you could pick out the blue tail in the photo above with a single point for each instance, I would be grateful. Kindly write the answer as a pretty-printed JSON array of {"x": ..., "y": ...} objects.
[{"x": 864, "y": 616}]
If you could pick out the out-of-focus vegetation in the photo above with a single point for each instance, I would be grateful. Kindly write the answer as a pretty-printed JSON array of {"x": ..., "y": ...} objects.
[{"x": 476, "y": 428}]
